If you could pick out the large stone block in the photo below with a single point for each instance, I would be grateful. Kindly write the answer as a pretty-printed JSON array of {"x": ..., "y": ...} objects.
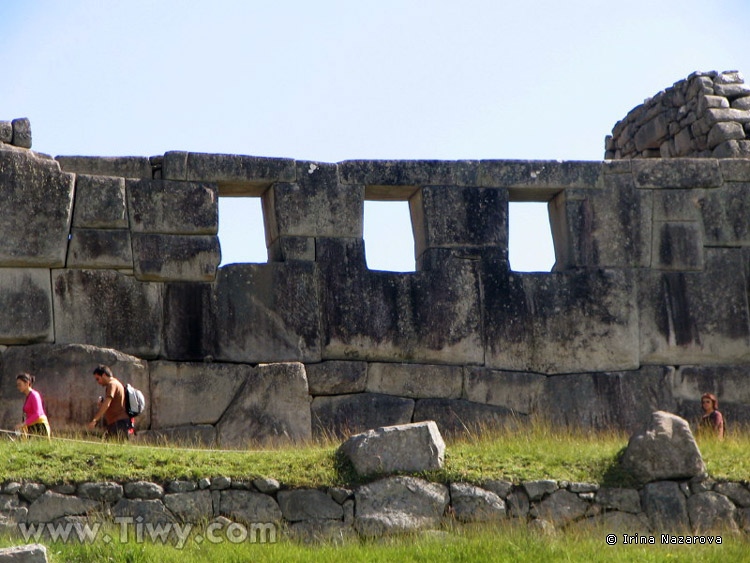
[
  {"x": 25, "y": 306},
  {"x": 159, "y": 257},
  {"x": 678, "y": 246},
  {"x": 711, "y": 512},
  {"x": 267, "y": 312},
  {"x": 122, "y": 166},
  {"x": 273, "y": 405},
  {"x": 336, "y": 377},
  {"x": 676, "y": 173},
  {"x": 516, "y": 391},
  {"x": 453, "y": 216},
  {"x": 100, "y": 248},
  {"x": 696, "y": 317},
  {"x": 726, "y": 215},
  {"x": 37, "y": 203},
  {"x": 21, "y": 132},
  {"x": 284, "y": 249},
  {"x": 181, "y": 208},
  {"x": 193, "y": 393},
  {"x": 64, "y": 378},
  {"x": 427, "y": 317},
  {"x": 348, "y": 414},
  {"x": 308, "y": 504},
  {"x": 108, "y": 309},
  {"x": 100, "y": 203},
  {"x": 315, "y": 205},
  {"x": 539, "y": 180},
  {"x": 459, "y": 417},
  {"x": 52, "y": 505},
  {"x": 249, "y": 507},
  {"x": 384, "y": 177},
  {"x": 666, "y": 507},
  {"x": 560, "y": 322},
  {"x": 415, "y": 380},
  {"x": 189, "y": 322},
  {"x": 652, "y": 133}
]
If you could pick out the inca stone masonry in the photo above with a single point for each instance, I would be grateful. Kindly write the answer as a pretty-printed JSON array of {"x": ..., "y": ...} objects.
[{"x": 115, "y": 260}]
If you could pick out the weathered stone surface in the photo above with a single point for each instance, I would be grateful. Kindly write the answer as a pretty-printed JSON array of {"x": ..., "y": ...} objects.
[
  {"x": 220, "y": 483},
  {"x": 152, "y": 510},
  {"x": 455, "y": 416},
  {"x": 528, "y": 320},
  {"x": 249, "y": 507},
  {"x": 560, "y": 507},
  {"x": 181, "y": 208},
  {"x": 54, "y": 505},
  {"x": 308, "y": 504},
  {"x": 677, "y": 246},
  {"x": 179, "y": 391},
  {"x": 696, "y": 318},
  {"x": 615, "y": 521},
  {"x": 623, "y": 400},
  {"x": 97, "y": 248},
  {"x": 109, "y": 309},
  {"x": 122, "y": 166},
  {"x": 6, "y": 131},
  {"x": 624, "y": 500},
  {"x": 499, "y": 487},
  {"x": 106, "y": 491},
  {"x": 21, "y": 132},
  {"x": 336, "y": 377},
  {"x": 143, "y": 490},
  {"x": 31, "y": 491},
  {"x": 25, "y": 305},
  {"x": 427, "y": 317},
  {"x": 64, "y": 378},
  {"x": 272, "y": 405},
  {"x": 342, "y": 415},
  {"x": 652, "y": 133},
  {"x": 407, "y": 447},
  {"x": 711, "y": 511},
  {"x": 726, "y": 131},
  {"x": 190, "y": 507},
  {"x": 383, "y": 177},
  {"x": 284, "y": 249},
  {"x": 30, "y": 553},
  {"x": 266, "y": 485},
  {"x": 473, "y": 504},
  {"x": 518, "y": 504},
  {"x": 268, "y": 313},
  {"x": 516, "y": 391},
  {"x": 538, "y": 488},
  {"x": 415, "y": 380},
  {"x": 725, "y": 215},
  {"x": 735, "y": 169},
  {"x": 664, "y": 449},
  {"x": 100, "y": 203},
  {"x": 316, "y": 205},
  {"x": 399, "y": 504},
  {"x": 175, "y": 257},
  {"x": 35, "y": 233},
  {"x": 536, "y": 179},
  {"x": 189, "y": 322},
  {"x": 683, "y": 173},
  {"x": 737, "y": 493},
  {"x": 583, "y": 487},
  {"x": 181, "y": 486},
  {"x": 666, "y": 507},
  {"x": 321, "y": 531}
]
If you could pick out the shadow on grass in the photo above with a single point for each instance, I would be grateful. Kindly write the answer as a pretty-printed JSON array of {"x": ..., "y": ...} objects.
[{"x": 616, "y": 476}]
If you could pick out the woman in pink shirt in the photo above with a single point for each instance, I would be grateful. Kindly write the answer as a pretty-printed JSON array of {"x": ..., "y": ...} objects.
[{"x": 36, "y": 419}]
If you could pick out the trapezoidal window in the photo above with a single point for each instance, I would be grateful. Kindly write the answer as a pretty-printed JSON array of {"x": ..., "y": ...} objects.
[
  {"x": 389, "y": 239},
  {"x": 530, "y": 247},
  {"x": 241, "y": 230}
]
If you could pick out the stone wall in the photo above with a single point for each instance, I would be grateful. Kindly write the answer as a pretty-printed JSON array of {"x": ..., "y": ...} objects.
[
  {"x": 115, "y": 259},
  {"x": 706, "y": 115},
  {"x": 387, "y": 506}
]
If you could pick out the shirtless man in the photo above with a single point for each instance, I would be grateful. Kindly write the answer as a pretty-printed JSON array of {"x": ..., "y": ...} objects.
[{"x": 112, "y": 405}]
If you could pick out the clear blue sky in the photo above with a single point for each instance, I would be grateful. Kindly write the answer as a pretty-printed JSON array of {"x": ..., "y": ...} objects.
[{"x": 335, "y": 80}]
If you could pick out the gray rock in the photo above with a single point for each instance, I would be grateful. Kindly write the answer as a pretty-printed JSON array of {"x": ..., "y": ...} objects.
[
  {"x": 249, "y": 507},
  {"x": 25, "y": 298},
  {"x": 6, "y": 131},
  {"x": 95, "y": 248},
  {"x": 152, "y": 511},
  {"x": 30, "y": 553},
  {"x": 727, "y": 131},
  {"x": 342, "y": 415},
  {"x": 100, "y": 203},
  {"x": 383, "y": 177},
  {"x": 539, "y": 178},
  {"x": 499, "y": 487},
  {"x": 180, "y": 208},
  {"x": 537, "y": 489},
  {"x": 743, "y": 518},
  {"x": 348, "y": 507},
  {"x": 397, "y": 505},
  {"x": 220, "y": 483},
  {"x": 560, "y": 507},
  {"x": 473, "y": 504},
  {"x": 624, "y": 500},
  {"x": 415, "y": 380},
  {"x": 12, "y": 488},
  {"x": 340, "y": 494},
  {"x": 266, "y": 485},
  {"x": 272, "y": 405},
  {"x": 181, "y": 486},
  {"x": 235, "y": 174},
  {"x": 666, "y": 506},
  {"x": 516, "y": 391},
  {"x": 31, "y": 491},
  {"x": 21, "y": 132},
  {"x": 190, "y": 507},
  {"x": 308, "y": 504},
  {"x": 178, "y": 391},
  {"x": 407, "y": 447},
  {"x": 121, "y": 166},
  {"x": 664, "y": 449},
  {"x": 583, "y": 487},
  {"x": 8, "y": 501},
  {"x": 284, "y": 249},
  {"x": 336, "y": 377},
  {"x": 723, "y": 213},
  {"x": 711, "y": 511},
  {"x": 158, "y": 257},
  {"x": 666, "y": 173},
  {"x": 204, "y": 483},
  {"x": 143, "y": 490},
  {"x": 678, "y": 246},
  {"x": 736, "y": 492},
  {"x": 701, "y": 485},
  {"x": 53, "y": 505},
  {"x": 518, "y": 504},
  {"x": 106, "y": 492}
]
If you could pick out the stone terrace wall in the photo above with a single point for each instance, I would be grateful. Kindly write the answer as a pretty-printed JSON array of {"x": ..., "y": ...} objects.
[
  {"x": 706, "y": 115},
  {"x": 115, "y": 260}
]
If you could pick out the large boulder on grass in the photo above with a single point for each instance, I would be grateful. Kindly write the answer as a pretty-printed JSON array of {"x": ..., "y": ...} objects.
[
  {"x": 31, "y": 553},
  {"x": 405, "y": 447},
  {"x": 664, "y": 449}
]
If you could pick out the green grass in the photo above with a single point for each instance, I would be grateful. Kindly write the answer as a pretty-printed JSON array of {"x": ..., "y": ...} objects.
[
  {"x": 506, "y": 542},
  {"x": 536, "y": 451}
]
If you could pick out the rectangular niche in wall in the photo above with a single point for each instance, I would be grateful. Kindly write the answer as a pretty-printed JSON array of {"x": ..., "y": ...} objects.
[
  {"x": 241, "y": 230},
  {"x": 530, "y": 247},
  {"x": 389, "y": 238}
]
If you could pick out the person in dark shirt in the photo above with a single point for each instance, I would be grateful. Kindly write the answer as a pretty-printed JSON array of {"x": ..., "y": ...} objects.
[{"x": 712, "y": 419}]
